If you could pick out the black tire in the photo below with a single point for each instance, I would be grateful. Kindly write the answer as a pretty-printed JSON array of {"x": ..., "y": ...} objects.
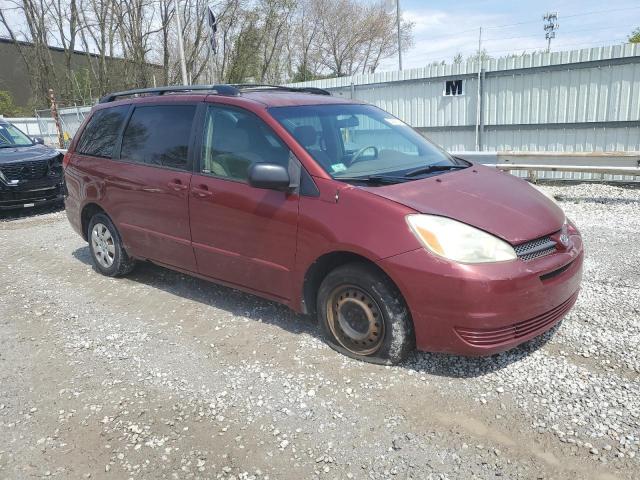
[
  {"x": 119, "y": 263},
  {"x": 363, "y": 315}
]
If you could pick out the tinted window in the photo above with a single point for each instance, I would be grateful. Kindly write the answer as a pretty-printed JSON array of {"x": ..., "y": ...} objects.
[
  {"x": 235, "y": 139},
  {"x": 101, "y": 133},
  {"x": 159, "y": 135}
]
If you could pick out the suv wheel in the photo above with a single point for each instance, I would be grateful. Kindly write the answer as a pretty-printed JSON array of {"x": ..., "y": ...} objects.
[
  {"x": 105, "y": 245},
  {"x": 364, "y": 316}
]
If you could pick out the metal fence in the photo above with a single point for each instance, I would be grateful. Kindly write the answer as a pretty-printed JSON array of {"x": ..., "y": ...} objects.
[
  {"x": 572, "y": 101},
  {"x": 70, "y": 120},
  {"x": 43, "y": 125},
  {"x": 36, "y": 127}
]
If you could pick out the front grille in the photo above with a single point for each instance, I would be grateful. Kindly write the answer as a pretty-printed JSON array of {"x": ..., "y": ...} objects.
[
  {"x": 490, "y": 337},
  {"x": 537, "y": 248},
  {"x": 25, "y": 170}
]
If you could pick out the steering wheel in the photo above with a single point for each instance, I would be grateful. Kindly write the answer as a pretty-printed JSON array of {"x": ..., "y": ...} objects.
[{"x": 358, "y": 154}]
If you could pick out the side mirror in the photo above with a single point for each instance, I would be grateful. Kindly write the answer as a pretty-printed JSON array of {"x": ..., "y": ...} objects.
[
  {"x": 270, "y": 176},
  {"x": 38, "y": 140}
]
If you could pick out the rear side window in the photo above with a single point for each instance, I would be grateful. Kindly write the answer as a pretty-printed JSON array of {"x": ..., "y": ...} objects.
[
  {"x": 101, "y": 133},
  {"x": 159, "y": 135}
]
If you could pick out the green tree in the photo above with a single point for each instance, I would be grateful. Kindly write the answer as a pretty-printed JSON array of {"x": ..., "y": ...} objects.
[
  {"x": 7, "y": 106},
  {"x": 305, "y": 75},
  {"x": 244, "y": 62},
  {"x": 635, "y": 36}
]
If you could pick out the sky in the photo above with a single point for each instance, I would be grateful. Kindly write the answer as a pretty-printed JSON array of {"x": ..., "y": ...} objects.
[{"x": 444, "y": 28}]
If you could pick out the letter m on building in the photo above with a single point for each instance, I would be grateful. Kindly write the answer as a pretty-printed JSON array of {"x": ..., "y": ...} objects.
[{"x": 453, "y": 87}]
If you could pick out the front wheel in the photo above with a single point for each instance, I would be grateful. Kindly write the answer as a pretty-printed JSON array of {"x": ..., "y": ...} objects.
[
  {"x": 364, "y": 316},
  {"x": 108, "y": 254}
]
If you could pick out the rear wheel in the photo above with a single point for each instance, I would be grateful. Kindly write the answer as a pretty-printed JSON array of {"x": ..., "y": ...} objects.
[
  {"x": 363, "y": 315},
  {"x": 108, "y": 254}
]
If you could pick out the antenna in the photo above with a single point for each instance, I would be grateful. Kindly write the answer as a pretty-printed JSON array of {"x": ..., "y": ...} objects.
[{"x": 550, "y": 27}]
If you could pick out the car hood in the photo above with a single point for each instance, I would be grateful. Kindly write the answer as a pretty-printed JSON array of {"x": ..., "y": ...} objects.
[
  {"x": 32, "y": 152},
  {"x": 486, "y": 198}
]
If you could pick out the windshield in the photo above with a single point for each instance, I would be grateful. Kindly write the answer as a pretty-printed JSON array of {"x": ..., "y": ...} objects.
[
  {"x": 10, "y": 136},
  {"x": 361, "y": 141}
]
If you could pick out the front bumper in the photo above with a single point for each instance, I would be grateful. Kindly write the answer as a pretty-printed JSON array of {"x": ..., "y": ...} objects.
[
  {"x": 31, "y": 193},
  {"x": 486, "y": 308}
]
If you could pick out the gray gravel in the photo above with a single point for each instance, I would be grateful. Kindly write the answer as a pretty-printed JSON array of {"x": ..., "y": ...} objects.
[{"x": 160, "y": 375}]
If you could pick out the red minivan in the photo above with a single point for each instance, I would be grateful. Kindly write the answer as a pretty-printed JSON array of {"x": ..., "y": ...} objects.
[{"x": 328, "y": 205}]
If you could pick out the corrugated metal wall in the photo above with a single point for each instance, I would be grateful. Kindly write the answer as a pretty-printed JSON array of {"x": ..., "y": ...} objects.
[{"x": 580, "y": 100}]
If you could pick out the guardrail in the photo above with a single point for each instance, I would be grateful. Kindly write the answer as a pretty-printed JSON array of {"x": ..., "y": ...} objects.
[{"x": 576, "y": 166}]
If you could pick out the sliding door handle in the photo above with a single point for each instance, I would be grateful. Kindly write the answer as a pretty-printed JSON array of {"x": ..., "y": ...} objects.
[
  {"x": 202, "y": 191},
  {"x": 177, "y": 185}
]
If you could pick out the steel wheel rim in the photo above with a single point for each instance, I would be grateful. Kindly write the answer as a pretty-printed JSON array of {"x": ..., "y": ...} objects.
[
  {"x": 355, "y": 320},
  {"x": 103, "y": 245}
]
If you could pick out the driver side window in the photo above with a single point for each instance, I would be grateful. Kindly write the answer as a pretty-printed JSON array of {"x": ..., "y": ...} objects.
[{"x": 234, "y": 139}]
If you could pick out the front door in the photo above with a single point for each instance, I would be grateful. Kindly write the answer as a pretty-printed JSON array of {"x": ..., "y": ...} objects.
[
  {"x": 149, "y": 188},
  {"x": 242, "y": 235}
]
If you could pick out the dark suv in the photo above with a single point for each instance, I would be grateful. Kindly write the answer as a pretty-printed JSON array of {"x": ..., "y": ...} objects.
[
  {"x": 330, "y": 206},
  {"x": 30, "y": 172}
]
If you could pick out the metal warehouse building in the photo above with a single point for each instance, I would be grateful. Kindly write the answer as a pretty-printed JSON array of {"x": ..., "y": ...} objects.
[{"x": 572, "y": 101}]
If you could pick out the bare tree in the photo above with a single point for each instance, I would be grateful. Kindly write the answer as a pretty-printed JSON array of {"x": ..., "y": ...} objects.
[
  {"x": 131, "y": 43},
  {"x": 136, "y": 33},
  {"x": 99, "y": 33},
  {"x": 303, "y": 44},
  {"x": 356, "y": 37},
  {"x": 276, "y": 15},
  {"x": 381, "y": 40},
  {"x": 167, "y": 11},
  {"x": 67, "y": 21}
]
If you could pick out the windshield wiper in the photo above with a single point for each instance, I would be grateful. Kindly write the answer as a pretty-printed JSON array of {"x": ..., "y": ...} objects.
[
  {"x": 432, "y": 168},
  {"x": 375, "y": 179}
]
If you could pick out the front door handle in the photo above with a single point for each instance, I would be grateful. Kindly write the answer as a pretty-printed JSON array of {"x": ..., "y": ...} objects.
[
  {"x": 177, "y": 185},
  {"x": 202, "y": 191}
]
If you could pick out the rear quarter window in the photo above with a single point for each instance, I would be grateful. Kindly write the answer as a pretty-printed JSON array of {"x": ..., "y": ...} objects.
[
  {"x": 101, "y": 133},
  {"x": 159, "y": 135}
]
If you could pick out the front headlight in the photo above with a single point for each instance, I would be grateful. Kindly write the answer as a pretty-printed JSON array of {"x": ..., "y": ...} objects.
[{"x": 458, "y": 241}]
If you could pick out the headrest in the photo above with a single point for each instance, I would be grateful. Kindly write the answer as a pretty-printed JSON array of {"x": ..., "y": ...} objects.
[
  {"x": 306, "y": 135},
  {"x": 228, "y": 137}
]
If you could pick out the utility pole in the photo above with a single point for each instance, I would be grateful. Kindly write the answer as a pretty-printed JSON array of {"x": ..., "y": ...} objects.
[
  {"x": 479, "y": 98},
  {"x": 56, "y": 118},
  {"x": 550, "y": 27},
  {"x": 183, "y": 63},
  {"x": 399, "y": 36}
]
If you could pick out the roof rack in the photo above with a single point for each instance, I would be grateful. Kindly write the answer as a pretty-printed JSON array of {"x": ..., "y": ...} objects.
[
  {"x": 266, "y": 86},
  {"x": 231, "y": 90},
  {"x": 226, "y": 90}
]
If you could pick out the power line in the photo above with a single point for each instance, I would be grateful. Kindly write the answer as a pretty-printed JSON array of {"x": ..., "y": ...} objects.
[
  {"x": 511, "y": 24},
  {"x": 564, "y": 32},
  {"x": 600, "y": 11},
  {"x": 594, "y": 12}
]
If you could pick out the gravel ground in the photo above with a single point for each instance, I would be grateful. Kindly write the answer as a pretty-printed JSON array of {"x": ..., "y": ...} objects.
[{"x": 160, "y": 375}]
